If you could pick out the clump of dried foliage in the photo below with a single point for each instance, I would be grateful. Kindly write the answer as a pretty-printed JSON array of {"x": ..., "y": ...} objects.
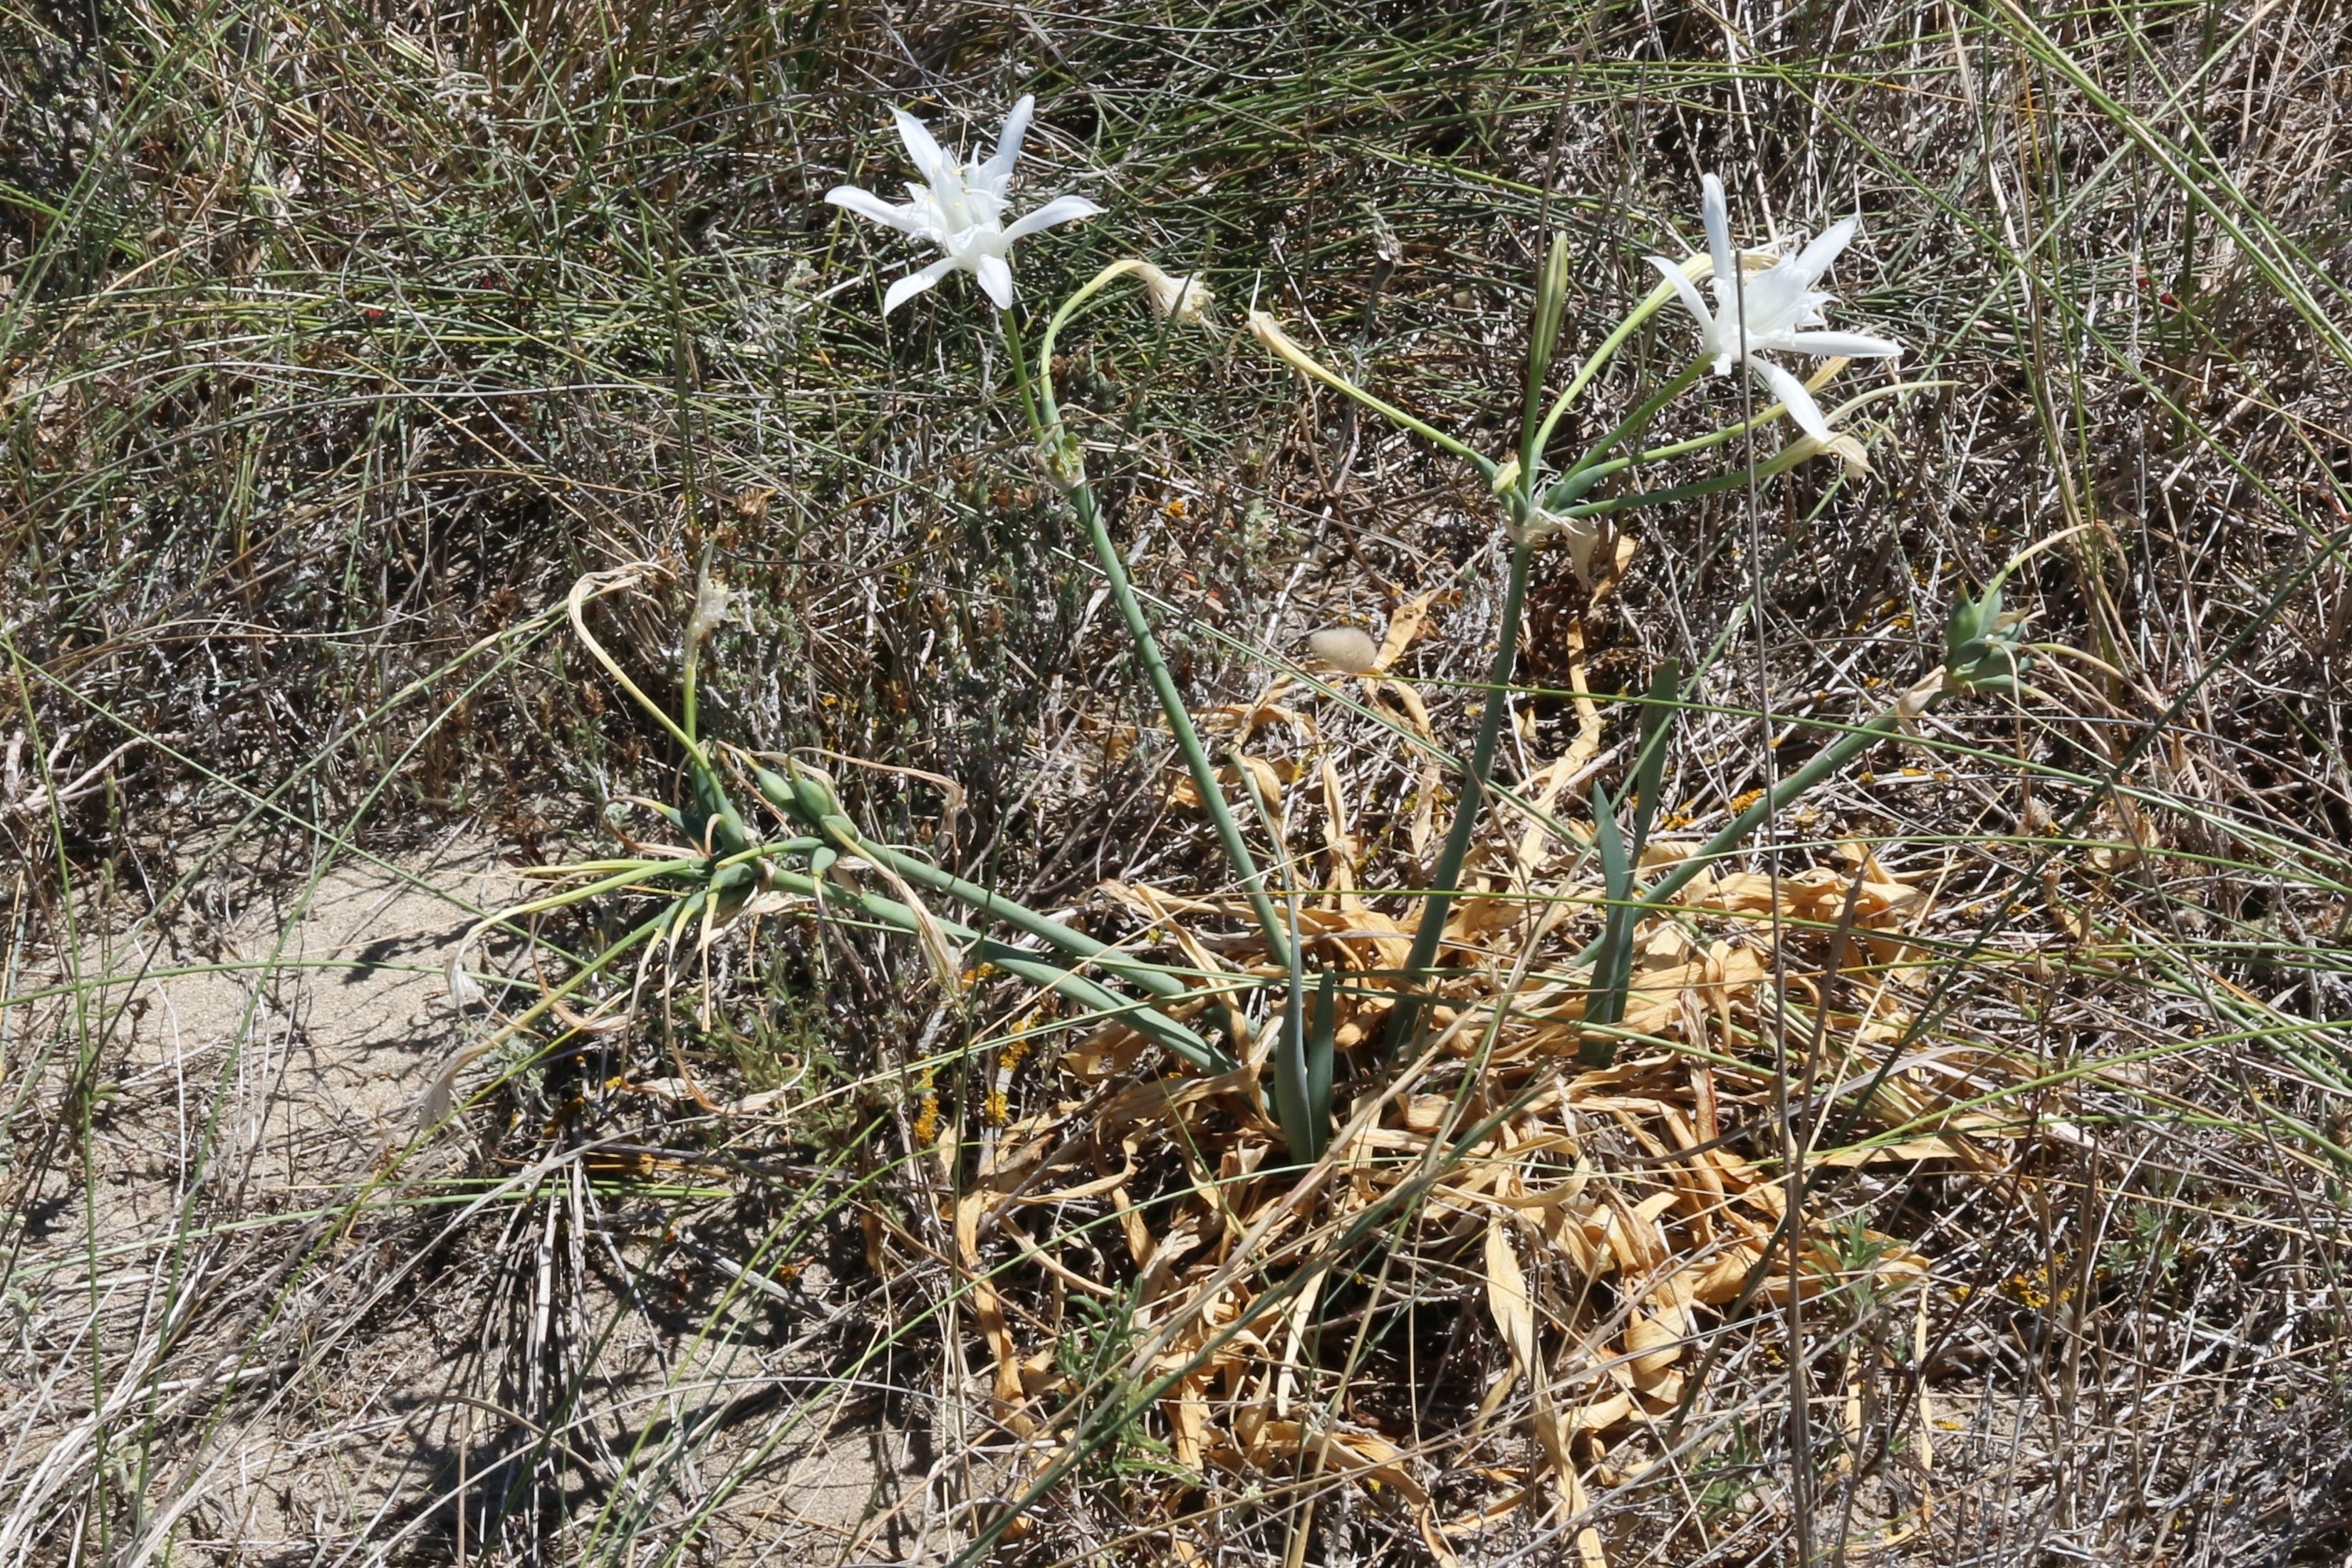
[{"x": 1968, "y": 1183}]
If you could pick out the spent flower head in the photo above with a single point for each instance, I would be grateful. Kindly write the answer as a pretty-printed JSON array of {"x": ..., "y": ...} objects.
[
  {"x": 1178, "y": 297},
  {"x": 1771, "y": 312},
  {"x": 959, "y": 206}
]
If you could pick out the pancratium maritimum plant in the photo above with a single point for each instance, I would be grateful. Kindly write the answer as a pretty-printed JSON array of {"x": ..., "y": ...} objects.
[
  {"x": 1771, "y": 312},
  {"x": 726, "y": 863},
  {"x": 960, "y": 207},
  {"x": 1540, "y": 496}
]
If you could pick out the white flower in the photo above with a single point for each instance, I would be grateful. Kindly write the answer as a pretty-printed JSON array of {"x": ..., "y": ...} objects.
[
  {"x": 1776, "y": 306},
  {"x": 960, "y": 207}
]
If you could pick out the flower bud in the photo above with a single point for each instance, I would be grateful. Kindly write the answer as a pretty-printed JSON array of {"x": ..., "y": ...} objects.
[{"x": 1348, "y": 649}]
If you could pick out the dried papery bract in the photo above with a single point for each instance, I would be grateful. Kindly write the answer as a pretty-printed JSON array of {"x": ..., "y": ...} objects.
[
  {"x": 1580, "y": 535},
  {"x": 1178, "y": 297},
  {"x": 713, "y": 603}
]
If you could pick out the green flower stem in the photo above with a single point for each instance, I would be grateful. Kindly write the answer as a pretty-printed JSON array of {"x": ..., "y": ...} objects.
[
  {"x": 591, "y": 587},
  {"x": 1696, "y": 266},
  {"x": 1580, "y": 477},
  {"x": 1062, "y": 449},
  {"x": 1406, "y": 1019},
  {"x": 1780, "y": 462},
  {"x": 1282, "y": 346},
  {"x": 1126, "y": 267},
  {"x": 631, "y": 873},
  {"x": 1828, "y": 760},
  {"x": 1304, "y": 1118},
  {"x": 1837, "y": 417},
  {"x": 807, "y": 799},
  {"x": 1038, "y": 418}
]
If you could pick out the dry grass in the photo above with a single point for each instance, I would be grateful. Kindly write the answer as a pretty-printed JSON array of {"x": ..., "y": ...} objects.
[{"x": 1970, "y": 1184}]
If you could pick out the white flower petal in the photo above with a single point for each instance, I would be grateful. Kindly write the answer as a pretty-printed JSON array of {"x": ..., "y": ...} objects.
[
  {"x": 915, "y": 283},
  {"x": 1768, "y": 302},
  {"x": 1792, "y": 393},
  {"x": 1718, "y": 235},
  {"x": 866, "y": 204},
  {"x": 1060, "y": 210},
  {"x": 995, "y": 280},
  {"x": 1853, "y": 345},
  {"x": 1693, "y": 301},
  {"x": 1815, "y": 258},
  {"x": 1008, "y": 141},
  {"x": 1769, "y": 311},
  {"x": 921, "y": 146}
]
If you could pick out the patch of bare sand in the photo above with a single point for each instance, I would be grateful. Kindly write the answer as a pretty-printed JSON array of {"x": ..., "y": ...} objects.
[
  {"x": 266, "y": 1048},
  {"x": 260, "y": 1045},
  {"x": 326, "y": 1003}
]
